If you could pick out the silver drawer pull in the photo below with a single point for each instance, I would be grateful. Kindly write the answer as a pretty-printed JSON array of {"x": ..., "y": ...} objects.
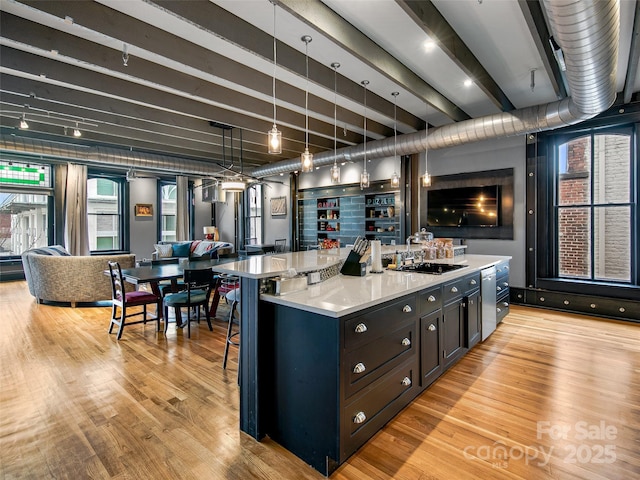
[
  {"x": 407, "y": 309},
  {"x": 473, "y": 282},
  {"x": 361, "y": 328},
  {"x": 454, "y": 289},
  {"x": 359, "y": 368},
  {"x": 498, "y": 310},
  {"x": 498, "y": 288},
  {"x": 506, "y": 304},
  {"x": 431, "y": 298},
  {"x": 432, "y": 328},
  {"x": 505, "y": 284},
  {"x": 359, "y": 418},
  {"x": 406, "y": 342},
  {"x": 406, "y": 381}
]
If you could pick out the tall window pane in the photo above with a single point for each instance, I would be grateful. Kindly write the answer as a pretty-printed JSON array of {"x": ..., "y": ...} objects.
[
  {"x": 574, "y": 186},
  {"x": 574, "y": 242},
  {"x": 254, "y": 215},
  {"x": 168, "y": 194},
  {"x": 612, "y": 243},
  {"x": 23, "y": 222},
  {"x": 594, "y": 208},
  {"x": 103, "y": 203}
]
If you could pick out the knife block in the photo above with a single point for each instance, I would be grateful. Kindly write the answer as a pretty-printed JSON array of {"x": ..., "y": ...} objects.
[{"x": 353, "y": 266}]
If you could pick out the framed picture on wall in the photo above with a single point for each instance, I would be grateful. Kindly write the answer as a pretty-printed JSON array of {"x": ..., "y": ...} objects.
[
  {"x": 144, "y": 210},
  {"x": 278, "y": 206}
]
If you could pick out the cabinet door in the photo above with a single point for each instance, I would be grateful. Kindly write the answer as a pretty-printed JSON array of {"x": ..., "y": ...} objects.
[
  {"x": 452, "y": 333},
  {"x": 430, "y": 349},
  {"x": 473, "y": 318}
]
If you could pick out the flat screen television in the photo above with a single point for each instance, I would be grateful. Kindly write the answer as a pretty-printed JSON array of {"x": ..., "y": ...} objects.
[{"x": 466, "y": 206}]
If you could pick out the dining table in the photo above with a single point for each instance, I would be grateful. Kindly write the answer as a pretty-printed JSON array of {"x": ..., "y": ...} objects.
[{"x": 154, "y": 274}]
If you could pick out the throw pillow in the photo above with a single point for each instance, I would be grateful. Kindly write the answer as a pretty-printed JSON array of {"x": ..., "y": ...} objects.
[
  {"x": 182, "y": 249},
  {"x": 164, "y": 250}
]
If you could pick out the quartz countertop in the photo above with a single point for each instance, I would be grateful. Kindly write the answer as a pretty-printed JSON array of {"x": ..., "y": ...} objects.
[{"x": 342, "y": 295}]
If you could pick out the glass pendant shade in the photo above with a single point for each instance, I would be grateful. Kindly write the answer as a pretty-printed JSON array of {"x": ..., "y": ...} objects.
[
  {"x": 364, "y": 180},
  {"x": 275, "y": 140},
  {"x": 426, "y": 180},
  {"x": 335, "y": 174},
  {"x": 395, "y": 180},
  {"x": 306, "y": 159}
]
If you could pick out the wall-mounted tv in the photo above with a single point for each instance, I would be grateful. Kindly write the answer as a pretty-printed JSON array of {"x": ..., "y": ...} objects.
[{"x": 464, "y": 207}]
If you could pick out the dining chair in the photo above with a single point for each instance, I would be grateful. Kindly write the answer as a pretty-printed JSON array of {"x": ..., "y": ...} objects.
[
  {"x": 199, "y": 285},
  {"x": 281, "y": 245},
  {"x": 123, "y": 301}
]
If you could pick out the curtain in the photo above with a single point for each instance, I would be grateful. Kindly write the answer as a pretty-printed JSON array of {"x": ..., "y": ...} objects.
[
  {"x": 76, "y": 232},
  {"x": 182, "y": 208}
]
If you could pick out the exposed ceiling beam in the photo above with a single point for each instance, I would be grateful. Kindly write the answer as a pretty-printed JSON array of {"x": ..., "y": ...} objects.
[
  {"x": 325, "y": 20},
  {"x": 428, "y": 18}
]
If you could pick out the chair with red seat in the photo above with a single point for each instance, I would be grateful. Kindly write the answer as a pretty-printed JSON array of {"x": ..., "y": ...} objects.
[{"x": 125, "y": 300}]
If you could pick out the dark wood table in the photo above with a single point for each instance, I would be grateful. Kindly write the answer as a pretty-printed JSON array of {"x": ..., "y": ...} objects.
[{"x": 173, "y": 272}]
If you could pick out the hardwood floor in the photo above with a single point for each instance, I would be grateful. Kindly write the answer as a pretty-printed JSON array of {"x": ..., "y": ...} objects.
[{"x": 75, "y": 403}]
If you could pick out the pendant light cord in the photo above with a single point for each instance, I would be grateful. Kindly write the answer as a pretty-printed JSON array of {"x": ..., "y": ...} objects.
[
  {"x": 306, "y": 93},
  {"x": 274, "y": 63}
]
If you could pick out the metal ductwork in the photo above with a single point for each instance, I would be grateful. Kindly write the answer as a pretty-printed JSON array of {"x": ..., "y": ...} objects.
[
  {"x": 34, "y": 149},
  {"x": 586, "y": 30}
]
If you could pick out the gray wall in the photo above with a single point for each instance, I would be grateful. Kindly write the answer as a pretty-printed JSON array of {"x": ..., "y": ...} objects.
[{"x": 490, "y": 155}]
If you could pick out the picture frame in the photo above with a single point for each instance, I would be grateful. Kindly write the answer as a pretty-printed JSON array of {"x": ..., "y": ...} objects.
[
  {"x": 278, "y": 206},
  {"x": 144, "y": 210}
]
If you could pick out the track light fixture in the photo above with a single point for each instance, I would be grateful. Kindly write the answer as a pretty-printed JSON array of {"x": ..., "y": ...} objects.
[
  {"x": 23, "y": 122},
  {"x": 76, "y": 132}
]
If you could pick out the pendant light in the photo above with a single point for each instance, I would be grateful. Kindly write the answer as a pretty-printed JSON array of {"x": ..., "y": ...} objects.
[
  {"x": 364, "y": 176},
  {"x": 274, "y": 137},
  {"x": 306, "y": 158},
  {"x": 395, "y": 178},
  {"x": 426, "y": 179},
  {"x": 335, "y": 170}
]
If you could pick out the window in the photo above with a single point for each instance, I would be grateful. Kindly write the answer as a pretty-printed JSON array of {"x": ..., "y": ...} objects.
[
  {"x": 105, "y": 207},
  {"x": 253, "y": 215},
  {"x": 593, "y": 208},
  {"x": 168, "y": 197},
  {"x": 26, "y": 204}
]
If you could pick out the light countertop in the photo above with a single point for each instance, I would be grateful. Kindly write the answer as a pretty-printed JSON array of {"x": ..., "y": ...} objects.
[{"x": 342, "y": 295}]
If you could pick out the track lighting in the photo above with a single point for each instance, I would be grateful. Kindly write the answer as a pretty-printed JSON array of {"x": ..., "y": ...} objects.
[{"x": 23, "y": 122}]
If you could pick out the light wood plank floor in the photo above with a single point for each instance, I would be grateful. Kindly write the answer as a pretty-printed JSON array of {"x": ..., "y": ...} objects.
[{"x": 548, "y": 396}]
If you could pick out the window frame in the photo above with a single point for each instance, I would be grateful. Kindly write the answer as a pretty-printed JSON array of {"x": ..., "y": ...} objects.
[
  {"x": 123, "y": 214},
  {"x": 166, "y": 182},
  {"x": 546, "y": 275}
]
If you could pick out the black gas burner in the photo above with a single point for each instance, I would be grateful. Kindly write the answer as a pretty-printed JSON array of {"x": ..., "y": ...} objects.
[{"x": 432, "y": 268}]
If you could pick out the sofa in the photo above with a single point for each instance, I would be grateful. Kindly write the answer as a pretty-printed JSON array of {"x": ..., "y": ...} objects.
[
  {"x": 194, "y": 250},
  {"x": 53, "y": 275}
]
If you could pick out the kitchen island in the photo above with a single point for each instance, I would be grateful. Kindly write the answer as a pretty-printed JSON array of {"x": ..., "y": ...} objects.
[{"x": 323, "y": 369}]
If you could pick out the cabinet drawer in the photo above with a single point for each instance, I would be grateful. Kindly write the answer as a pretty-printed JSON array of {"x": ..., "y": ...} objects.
[
  {"x": 502, "y": 269},
  {"x": 368, "y": 362},
  {"x": 430, "y": 300},
  {"x": 502, "y": 285},
  {"x": 502, "y": 306},
  {"x": 461, "y": 287},
  {"x": 471, "y": 283},
  {"x": 376, "y": 323},
  {"x": 368, "y": 412}
]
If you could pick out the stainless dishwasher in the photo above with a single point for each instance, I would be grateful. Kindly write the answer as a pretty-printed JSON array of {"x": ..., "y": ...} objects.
[{"x": 488, "y": 294}]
